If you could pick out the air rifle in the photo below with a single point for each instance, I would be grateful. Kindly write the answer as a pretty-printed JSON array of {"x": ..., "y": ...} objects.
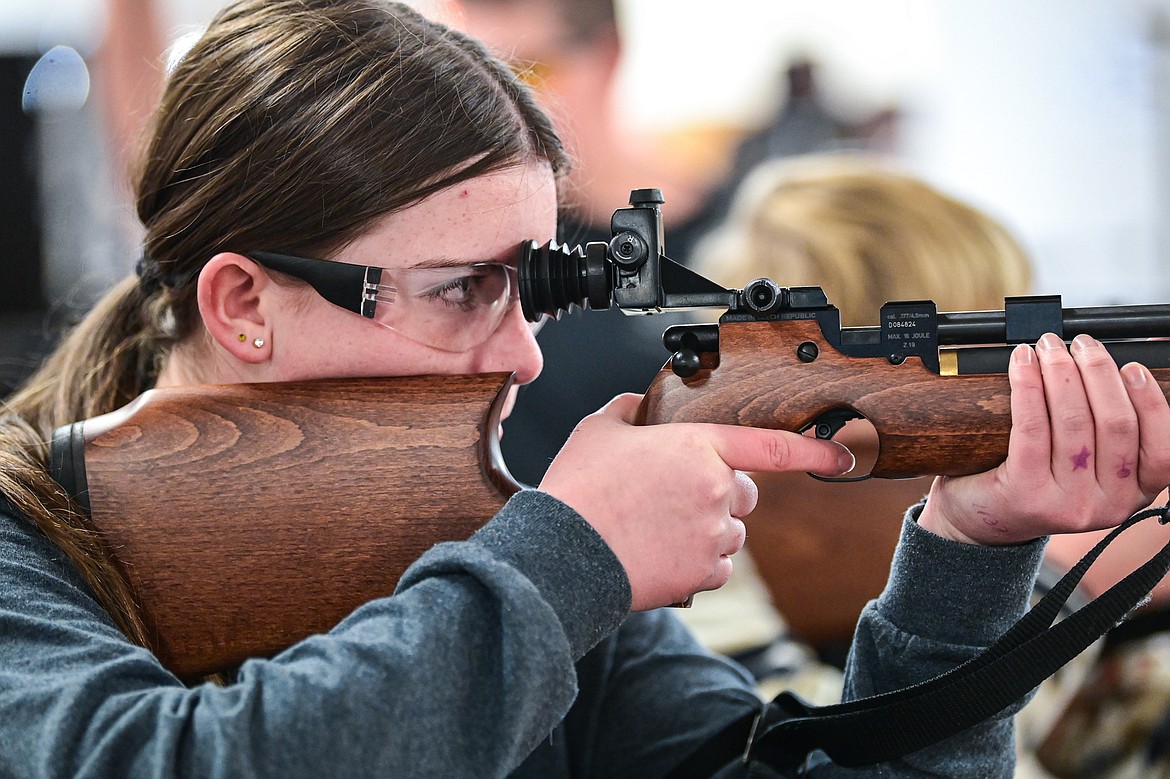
[
  {"x": 933, "y": 384},
  {"x": 247, "y": 517}
]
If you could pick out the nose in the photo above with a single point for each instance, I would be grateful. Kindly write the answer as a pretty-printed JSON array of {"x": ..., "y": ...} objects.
[{"x": 512, "y": 347}]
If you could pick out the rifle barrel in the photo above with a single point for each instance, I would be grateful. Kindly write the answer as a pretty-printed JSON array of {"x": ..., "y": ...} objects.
[{"x": 1101, "y": 322}]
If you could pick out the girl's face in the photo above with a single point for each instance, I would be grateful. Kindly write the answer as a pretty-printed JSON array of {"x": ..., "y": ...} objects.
[{"x": 484, "y": 219}]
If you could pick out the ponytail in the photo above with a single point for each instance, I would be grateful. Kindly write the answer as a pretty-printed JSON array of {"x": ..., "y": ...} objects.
[{"x": 110, "y": 358}]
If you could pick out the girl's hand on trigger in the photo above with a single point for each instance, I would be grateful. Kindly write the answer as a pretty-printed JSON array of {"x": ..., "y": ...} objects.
[
  {"x": 1089, "y": 446},
  {"x": 668, "y": 498}
]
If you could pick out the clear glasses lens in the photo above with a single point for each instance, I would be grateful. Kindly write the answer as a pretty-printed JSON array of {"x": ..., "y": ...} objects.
[
  {"x": 450, "y": 308},
  {"x": 453, "y": 308}
]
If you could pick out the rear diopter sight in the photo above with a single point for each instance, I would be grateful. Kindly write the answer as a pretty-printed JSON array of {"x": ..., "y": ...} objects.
[{"x": 555, "y": 277}]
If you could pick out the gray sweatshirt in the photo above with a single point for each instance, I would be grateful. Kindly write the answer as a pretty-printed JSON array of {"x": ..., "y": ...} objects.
[{"x": 510, "y": 654}]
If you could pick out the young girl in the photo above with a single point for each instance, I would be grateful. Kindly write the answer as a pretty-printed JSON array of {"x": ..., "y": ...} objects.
[{"x": 356, "y": 132}]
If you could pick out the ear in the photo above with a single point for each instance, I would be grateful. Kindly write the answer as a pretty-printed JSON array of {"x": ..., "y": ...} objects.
[{"x": 232, "y": 304}]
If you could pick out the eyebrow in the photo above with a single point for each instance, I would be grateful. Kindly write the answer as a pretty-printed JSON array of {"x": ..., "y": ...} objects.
[
  {"x": 444, "y": 262},
  {"x": 450, "y": 262}
]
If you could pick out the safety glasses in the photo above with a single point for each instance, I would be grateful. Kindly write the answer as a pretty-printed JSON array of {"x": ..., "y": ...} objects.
[{"x": 453, "y": 308}]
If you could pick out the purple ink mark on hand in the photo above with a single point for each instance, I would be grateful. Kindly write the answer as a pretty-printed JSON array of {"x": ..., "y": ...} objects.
[
  {"x": 1081, "y": 461},
  {"x": 1125, "y": 471},
  {"x": 990, "y": 520}
]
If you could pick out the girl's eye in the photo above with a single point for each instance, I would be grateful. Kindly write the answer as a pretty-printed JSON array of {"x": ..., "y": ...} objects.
[{"x": 458, "y": 291}]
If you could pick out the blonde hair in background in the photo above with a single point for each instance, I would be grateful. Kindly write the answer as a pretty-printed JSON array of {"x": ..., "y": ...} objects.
[{"x": 867, "y": 233}]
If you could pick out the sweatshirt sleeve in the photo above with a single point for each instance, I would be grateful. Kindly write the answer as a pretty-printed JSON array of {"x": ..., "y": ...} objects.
[
  {"x": 460, "y": 673},
  {"x": 944, "y": 603}
]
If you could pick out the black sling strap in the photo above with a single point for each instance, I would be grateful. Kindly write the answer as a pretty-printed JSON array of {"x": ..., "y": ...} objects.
[{"x": 883, "y": 727}]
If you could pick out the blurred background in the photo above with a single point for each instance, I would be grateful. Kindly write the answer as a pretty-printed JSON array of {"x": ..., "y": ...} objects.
[{"x": 1052, "y": 115}]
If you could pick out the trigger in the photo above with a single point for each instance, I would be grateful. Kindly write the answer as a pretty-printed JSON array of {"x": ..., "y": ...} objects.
[
  {"x": 830, "y": 423},
  {"x": 825, "y": 427}
]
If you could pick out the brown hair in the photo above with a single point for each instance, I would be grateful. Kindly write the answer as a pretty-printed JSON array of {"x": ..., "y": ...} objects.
[
  {"x": 866, "y": 232},
  {"x": 291, "y": 125}
]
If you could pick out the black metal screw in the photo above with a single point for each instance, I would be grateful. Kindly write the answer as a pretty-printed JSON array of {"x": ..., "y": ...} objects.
[{"x": 807, "y": 352}]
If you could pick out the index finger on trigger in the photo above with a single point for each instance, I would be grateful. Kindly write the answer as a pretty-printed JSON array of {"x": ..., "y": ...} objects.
[{"x": 759, "y": 449}]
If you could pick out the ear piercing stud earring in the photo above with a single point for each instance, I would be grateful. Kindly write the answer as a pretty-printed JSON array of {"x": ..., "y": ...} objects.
[
  {"x": 243, "y": 338},
  {"x": 258, "y": 343}
]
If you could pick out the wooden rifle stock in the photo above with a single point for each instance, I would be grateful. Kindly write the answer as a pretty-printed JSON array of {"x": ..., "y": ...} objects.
[
  {"x": 927, "y": 424},
  {"x": 248, "y": 517}
]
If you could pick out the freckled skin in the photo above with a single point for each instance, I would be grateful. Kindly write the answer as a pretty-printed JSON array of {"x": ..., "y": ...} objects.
[{"x": 1081, "y": 461}]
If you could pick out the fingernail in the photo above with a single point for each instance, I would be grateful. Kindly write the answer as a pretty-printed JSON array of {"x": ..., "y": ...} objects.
[
  {"x": 1050, "y": 341},
  {"x": 1134, "y": 375},
  {"x": 1083, "y": 342},
  {"x": 845, "y": 461},
  {"x": 1022, "y": 355}
]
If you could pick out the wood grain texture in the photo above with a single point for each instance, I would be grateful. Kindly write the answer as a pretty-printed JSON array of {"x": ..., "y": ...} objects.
[
  {"x": 248, "y": 517},
  {"x": 927, "y": 424}
]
